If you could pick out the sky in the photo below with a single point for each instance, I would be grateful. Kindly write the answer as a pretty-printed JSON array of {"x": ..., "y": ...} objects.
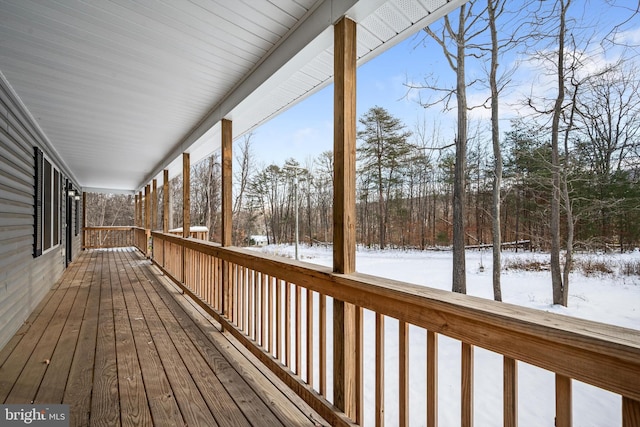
[{"x": 306, "y": 129}]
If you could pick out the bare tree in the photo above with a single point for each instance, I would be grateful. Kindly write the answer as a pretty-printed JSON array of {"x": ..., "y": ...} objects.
[
  {"x": 242, "y": 219},
  {"x": 492, "y": 10},
  {"x": 456, "y": 43}
]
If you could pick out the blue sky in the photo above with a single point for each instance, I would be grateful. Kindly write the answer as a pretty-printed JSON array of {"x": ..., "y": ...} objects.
[{"x": 305, "y": 130}]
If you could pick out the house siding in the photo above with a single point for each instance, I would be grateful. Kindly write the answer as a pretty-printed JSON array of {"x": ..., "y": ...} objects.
[{"x": 24, "y": 280}]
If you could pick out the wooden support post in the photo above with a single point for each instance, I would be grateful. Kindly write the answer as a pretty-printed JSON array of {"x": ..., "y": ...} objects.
[
  {"x": 165, "y": 201},
  {"x": 84, "y": 219},
  {"x": 186, "y": 209},
  {"x": 147, "y": 206},
  {"x": 140, "y": 210},
  {"x": 227, "y": 209},
  {"x": 227, "y": 177},
  {"x": 154, "y": 204},
  {"x": 147, "y": 218},
  {"x": 135, "y": 217},
  {"x": 186, "y": 195},
  {"x": 630, "y": 412},
  {"x": 344, "y": 210}
]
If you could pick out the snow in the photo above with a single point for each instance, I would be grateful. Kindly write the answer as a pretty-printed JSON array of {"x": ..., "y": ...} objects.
[{"x": 609, "y": 298}]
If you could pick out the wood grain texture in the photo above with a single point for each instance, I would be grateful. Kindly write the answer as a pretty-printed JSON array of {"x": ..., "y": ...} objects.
[
  {"x": 359, "y": 341},
  {"x": 165, "y": 201},
  {"x": 403, "y": 374},
  {"x": 379, "y": 371},
  {"x": 227, "y": 182},
  {"x": 322, "y": 345},
  {"x": 80, "y": 382},
  {"x": 344, "y": 146},
  {"x": 309, "y": 338},
  {"x": 105, "y": 398},
  {"x": 344, "y": 210},
  {"x": 26, "y": 385},
  {"x": 186, "y": 195},
  {"x": 124, "y": 352},
  {"x": 602, "y": 355},
  {"x": 52, "y": 387},
  {"x": 510, "y": 392},
  {"x": 147, "y": 206},
  {"x": 432, "y": 379},
  {"x": 159, "y": 395},
  {"x": 630, "y": 412},
  {"x": 466, "y": 390},
  {"x": 154, "y": 204},
  {"x": 564, "y": 413},
  {"x": 134, "y": 407}
]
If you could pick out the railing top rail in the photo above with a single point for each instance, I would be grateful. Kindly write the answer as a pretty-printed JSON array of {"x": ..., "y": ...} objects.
[
  {"x": 110, "y": 227},
  {"x": 603, "y": 355}
]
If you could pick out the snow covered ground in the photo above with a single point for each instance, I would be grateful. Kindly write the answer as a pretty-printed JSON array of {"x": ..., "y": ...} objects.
[{"x": 610, "y": 298}]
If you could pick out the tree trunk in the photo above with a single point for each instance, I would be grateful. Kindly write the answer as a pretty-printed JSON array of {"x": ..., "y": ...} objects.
[
  {"x": 459, "y": 265},
  {"x": 497, "y": 155},
  {"x": 556, "y": 272}
]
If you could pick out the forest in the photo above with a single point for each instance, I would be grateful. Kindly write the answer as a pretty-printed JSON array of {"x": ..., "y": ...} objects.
[{"x": 556, "y": 171}]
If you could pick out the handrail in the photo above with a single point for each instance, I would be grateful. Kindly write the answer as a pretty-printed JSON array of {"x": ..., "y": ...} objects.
[
  {"x": 107, "y": 237},
  {"x": 602, "y": 355}
]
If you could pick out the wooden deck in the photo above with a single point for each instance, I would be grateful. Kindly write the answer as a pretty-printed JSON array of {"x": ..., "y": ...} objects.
[{"x": 119, "y": 344}]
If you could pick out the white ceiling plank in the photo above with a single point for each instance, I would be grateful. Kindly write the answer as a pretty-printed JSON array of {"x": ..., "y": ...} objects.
[{"x": 121, "y": 88}]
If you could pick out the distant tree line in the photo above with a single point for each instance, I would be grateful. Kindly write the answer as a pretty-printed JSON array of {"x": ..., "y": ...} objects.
[{"x": 564, "y": 175}]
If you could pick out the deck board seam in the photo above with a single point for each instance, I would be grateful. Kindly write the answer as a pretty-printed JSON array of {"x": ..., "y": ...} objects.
[
  {"x": 172, "y": 347},
  {"x": 59, "y": 292},
  {"x": 155, "y": 347},
  {"x": 187, "y": 323},
  {"x": 310, "y": 417}
]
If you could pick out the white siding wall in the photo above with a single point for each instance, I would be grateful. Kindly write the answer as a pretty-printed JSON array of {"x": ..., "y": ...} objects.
[{"x": 24, "y": 280}]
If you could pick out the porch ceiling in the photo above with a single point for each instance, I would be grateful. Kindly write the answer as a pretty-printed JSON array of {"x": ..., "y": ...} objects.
[{"x": 121, "y": 88}]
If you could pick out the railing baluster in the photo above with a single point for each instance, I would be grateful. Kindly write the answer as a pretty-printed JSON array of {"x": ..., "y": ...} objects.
[
  {"x": 467, "y": 385},
  {"x": 287, "y": 324},
  {"x": 510, "y": 392},
  {"x": 630, "y": 412},
  {"x": 199, "y": 266},
  {"x": 263, "y": 310},
  {"x": 310, "y": 337},
  {"x": 322, "y": 344},
  {"x": 359, "y": 368},
  {"x": 250, "y": 304},
  {"x": 256, "y": 305},
  {"x": 298, "y": 343},
  {"x": 241, "y": 297},
  {"x": 563, "y": 401},
  {"x": 403, "y": 373},
  {"x": 279, "y": 319},
  {"x": 432, "y": 379},
  {"x": 235, "y": 290},
  {"x": 270, "y": 292},
  {"x": 379, "y": 415}
]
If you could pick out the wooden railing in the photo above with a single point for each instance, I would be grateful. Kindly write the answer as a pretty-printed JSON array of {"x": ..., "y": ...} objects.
[
  {"x": 269, "y": 304},
  {"x": 142, "y": 240},
  {"x": 108, "y": 237}
]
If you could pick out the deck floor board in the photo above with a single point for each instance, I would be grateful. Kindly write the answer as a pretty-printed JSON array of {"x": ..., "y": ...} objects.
[{"x": 116, "y": 341}]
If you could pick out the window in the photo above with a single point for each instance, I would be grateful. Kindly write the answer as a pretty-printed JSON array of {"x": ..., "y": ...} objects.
[{"x": 47, "y": 205}]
